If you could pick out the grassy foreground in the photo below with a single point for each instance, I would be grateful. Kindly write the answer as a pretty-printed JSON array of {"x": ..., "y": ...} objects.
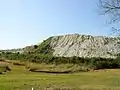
[{"x": 19, "y": 78}]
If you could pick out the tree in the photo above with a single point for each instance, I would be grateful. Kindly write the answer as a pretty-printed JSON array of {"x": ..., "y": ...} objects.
[{"x": 111, "y": 8}]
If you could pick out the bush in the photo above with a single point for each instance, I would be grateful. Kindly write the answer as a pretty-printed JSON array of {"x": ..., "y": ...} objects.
[
  {"x": 18, "y": 63},
  {"x": 3, "y": 60},
  {"x": 4, "y": 67},
  {"x": 96, "y": 63}
]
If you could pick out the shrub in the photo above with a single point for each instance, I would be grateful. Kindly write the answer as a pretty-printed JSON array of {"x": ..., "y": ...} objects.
[
  {"x": 3, "y": 60},
  {"x": 18, "y": 63},
  {"x": 96, "y": 63},
  {"x": 4, "y": 67}
]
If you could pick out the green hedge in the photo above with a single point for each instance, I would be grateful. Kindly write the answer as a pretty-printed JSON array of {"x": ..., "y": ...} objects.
[{"x": 96, "y": 63}]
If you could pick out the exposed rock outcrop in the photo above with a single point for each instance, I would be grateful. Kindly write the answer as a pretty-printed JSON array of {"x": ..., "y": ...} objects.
[
  {"x": 75, "y": 45},
  {"x": 85, "y": 46}
]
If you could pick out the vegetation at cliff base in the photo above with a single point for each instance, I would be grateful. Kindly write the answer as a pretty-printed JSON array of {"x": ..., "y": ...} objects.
[
  {"x": 43, "y": 53},
  {"x": 94, "y": 62}
]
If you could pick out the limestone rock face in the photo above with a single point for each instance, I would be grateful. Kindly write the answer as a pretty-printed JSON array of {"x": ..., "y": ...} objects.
[{"x": 85, "y": 46}]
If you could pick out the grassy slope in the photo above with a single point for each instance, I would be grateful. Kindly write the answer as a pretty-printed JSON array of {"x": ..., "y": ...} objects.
[{"x": 21, "y": 79}]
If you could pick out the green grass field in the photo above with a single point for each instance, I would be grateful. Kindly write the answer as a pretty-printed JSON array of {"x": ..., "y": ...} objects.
[{"x": 22, "y": 79}]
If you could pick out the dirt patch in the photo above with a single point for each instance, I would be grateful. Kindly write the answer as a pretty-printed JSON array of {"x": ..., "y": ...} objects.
[
  {"x": 18, "y": 64},
  {"x": 54, "y": 72}
]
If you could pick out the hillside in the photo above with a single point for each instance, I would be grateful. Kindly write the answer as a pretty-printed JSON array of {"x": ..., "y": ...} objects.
[
  {"x": 91, "y": 52},
  {"x": 19, "y": 50},
  {"x": 75, "y": 45},
  {"x": 78, "y": 45}
]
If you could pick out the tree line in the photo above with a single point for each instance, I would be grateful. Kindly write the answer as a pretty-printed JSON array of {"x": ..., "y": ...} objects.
[{"x": 93, "y": 62}]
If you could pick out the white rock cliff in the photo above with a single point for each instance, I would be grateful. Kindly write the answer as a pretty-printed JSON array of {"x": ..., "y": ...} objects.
[{"x": 85, "y": 46}]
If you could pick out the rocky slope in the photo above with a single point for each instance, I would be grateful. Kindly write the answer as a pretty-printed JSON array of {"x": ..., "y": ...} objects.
[
  {"x": 75, "y": 45},
  {"x": 85, "y": 46}
]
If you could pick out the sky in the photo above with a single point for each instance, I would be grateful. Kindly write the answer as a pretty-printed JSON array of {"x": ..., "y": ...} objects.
[{"x": 28, "y": 22}]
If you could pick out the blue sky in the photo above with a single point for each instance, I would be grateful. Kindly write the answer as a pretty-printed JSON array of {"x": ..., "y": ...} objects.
[{"x": 27, "y": 22}]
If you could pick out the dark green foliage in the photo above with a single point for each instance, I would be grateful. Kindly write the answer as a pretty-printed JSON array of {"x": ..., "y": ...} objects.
[
  {"x": 96, "y": 63},
  {"x": 43, "y": 54},
  {"x": 13, "y": 56},
  {"x": 44, "y": 47}
]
